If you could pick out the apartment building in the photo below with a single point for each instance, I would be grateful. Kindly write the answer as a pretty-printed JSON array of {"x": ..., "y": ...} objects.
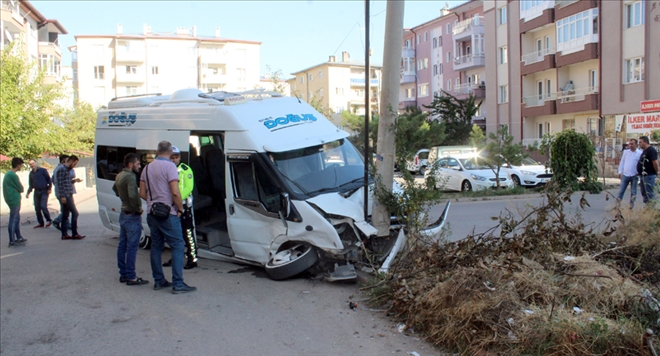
[
  {"x": 109, "y": 66},
  {"x": 338, "y": 85},
  {"x": 446, "y": 54},
  {"x": 631, "y": 66},
  {"x": 38, "y": 35}
]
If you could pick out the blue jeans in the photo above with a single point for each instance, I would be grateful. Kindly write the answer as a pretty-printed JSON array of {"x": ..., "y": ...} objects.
[
  {"x": 41, "y": 205},
  {"x": 14, "y": 226},
  {"x": 169, "y": 231},
  {"x": 129, "y": 240},
  {"x": 648, "y": 184},
  {"x": 69, "y": 208},
  {"x": 625, "y": 180}
]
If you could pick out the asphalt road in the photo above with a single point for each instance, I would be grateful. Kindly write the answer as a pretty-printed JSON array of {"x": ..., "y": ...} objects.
[
  {"x": 474, "y": 215},
  {"x": 63, "y": 298}
]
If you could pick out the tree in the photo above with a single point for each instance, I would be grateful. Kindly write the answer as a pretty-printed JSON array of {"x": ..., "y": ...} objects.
[
  {"x": 80, "y": 126},
  {"x": 355, "y": 123},
  {"x": 500, "y": 149},
  {"x": 456, "y": 114},
  {"x": 573, "y": 161},
  {"x": 416, "y": 130},
  {"x": 477, "y": 137},
  {"x": 26, "y": 106},
  {"x": 276, "y": 77},
  {"x": 317, "y": 103},
  {"x": 655, "y": 136}
]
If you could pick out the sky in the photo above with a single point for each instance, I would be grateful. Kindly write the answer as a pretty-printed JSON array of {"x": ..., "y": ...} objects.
[{"x": 294, "y": 35}]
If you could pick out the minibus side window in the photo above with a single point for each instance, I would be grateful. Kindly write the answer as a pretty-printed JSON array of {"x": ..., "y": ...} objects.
[
  {"x": 110, "y": 161},
  {"x": 244, "y": 181}
]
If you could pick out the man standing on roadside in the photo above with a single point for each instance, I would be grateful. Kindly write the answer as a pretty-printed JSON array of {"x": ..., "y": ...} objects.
[
  {"x": 648, "y": 169},
  {"x": 159, "y": 183},
  {"x": 11, "y": 191},
  {"x": 63, "y": 158},
  {"x": 64, "y": 185},
  {"x": 186, "y": 184},
  {"x": 39, "y": 180},
  {"x": 130, "y": 220},
  {"x": 628, "y": 171}
]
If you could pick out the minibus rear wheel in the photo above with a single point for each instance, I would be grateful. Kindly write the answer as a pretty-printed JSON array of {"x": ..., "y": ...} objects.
[
  {"x": 145, "y": 242},
  {"x": 291, "y": 261}
]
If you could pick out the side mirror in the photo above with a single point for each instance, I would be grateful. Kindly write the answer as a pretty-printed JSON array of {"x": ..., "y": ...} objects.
[{"x": 285, "y": 204}]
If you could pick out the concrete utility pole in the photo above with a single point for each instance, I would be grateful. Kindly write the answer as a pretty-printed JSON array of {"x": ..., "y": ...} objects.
[{"x": 389, "y": 98}]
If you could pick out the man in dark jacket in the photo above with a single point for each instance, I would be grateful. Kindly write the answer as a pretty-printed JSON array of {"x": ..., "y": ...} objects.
[{"x": 39, "y": 180}]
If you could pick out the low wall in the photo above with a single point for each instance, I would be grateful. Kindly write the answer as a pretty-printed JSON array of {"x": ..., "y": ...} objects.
[{"x": 81, "y": 172}]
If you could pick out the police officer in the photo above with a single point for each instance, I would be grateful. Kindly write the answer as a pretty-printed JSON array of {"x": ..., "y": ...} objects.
[{"x": 186, "y": 183}]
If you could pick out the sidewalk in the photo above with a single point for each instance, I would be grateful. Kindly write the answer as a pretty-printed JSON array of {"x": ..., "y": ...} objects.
[{"x": 28, "y": 215}]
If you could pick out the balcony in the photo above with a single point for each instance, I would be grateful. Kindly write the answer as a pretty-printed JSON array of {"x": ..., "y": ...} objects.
[
  {"x": 587, "y": 52},
  {"x": 469, "y": 27},
  {"x": 210, "y": 78},
  {"x": 469, "y": 61},
  {"x": 214, "y": 58},
  {"x": 538, "y": 61},
  {"x": 537, "y": 16},
  {"x": 539, "y": 105},
  {"x": 123, "y": 77},
  {"x": 526, "y": 142},
  {"x": 11, "y": 16},
  {"x": 465, "y": 89},
  {"x": 359, "y": 81},
  {"x": 132, "y": 56},
  {"x": 577, "y": 100},
  {"x": 50, "y": 48},
  {"x": 408, "y": 52},
  {"x": 407, "y": 77}
]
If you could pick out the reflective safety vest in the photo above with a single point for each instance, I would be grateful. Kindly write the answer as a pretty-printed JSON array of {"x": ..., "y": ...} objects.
[{"x": 186, "y": 180}]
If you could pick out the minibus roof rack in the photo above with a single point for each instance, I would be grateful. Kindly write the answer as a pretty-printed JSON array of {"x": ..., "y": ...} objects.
[
  {"x": 136, "y": 96},
  {"x": 258, "y": 93}
]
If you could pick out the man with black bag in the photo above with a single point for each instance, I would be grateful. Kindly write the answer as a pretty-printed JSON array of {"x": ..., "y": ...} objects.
[{"x": 159, "y": 186}]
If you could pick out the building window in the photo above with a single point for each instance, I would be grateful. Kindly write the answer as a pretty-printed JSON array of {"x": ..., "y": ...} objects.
[
  {"x": 440, "y": 69},
  {"x": 98, "y": 72},
  {"x": 435, "y": 69},
  {"x": 131, "y": 91},
  {"x": 548, "y": 87},
  {"x": 419, "y": 39},
  {"x": 426, "y": 36},
  {"x": 448, "y": 59},
  {"x": 320, "y": 75},
  {"x": 577, "y": 26},
  {"x": 302, "y": 79},
  {"x": 410, "y": 93},
  {"x": 49, "y": 64},
  {"x": 154, "y": 70},
  {"x": 593, "y": 80},
  {"x": 440, "y": 41},
  {"x": 504, "y": 94},
  {"x": 435, "y": 42},
  {"x": 448, "y": 29},
  {"x": 423, "y": 90},
  {"x": 240, "y": 73},
  {"x": 310, "y": 77},
  {"x": 634, "y": 70},
  {"x": 568, "y": 124},
  {"x": 502, "y": 15},
  {"x": 407, "y": 43},
  {"x": 635, "y": 14},
  {"x": 448, "y": 84},
  {"x": 593, "y": 128},
  {"x": 529, "y": 4},
  {"x": 131, "y": 69},
  {"x": 339, "y": 91},
  {"x": 504, "y": 54}
]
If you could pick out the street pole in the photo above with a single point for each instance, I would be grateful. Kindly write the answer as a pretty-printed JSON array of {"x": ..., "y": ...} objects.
[
  {"x": 388, "y": 109},
  {"x": 367, "y": 110}
]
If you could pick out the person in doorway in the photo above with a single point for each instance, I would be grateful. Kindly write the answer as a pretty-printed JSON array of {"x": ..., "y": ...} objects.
[
  {"x": 11, "y": 192},
  {"x": 186, "y": 183},
  {"x": 628, "y": 171},
  {"x": 65, "y": 188},
  {"x": 648, "y": 169},
  {"x": 159, "y": 183},
  {"x": 130, "y": 220},
  {"x": 39, "y": 180}
]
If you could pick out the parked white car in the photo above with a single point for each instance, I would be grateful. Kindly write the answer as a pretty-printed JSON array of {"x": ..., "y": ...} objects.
[
  {"x": 466, "y": 172},
  {"x": 419, "y": 163},
  {"x": 529, "y": 174}
]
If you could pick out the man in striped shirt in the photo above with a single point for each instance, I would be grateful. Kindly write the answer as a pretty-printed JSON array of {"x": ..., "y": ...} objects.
[{"x": 64, "y": 185}]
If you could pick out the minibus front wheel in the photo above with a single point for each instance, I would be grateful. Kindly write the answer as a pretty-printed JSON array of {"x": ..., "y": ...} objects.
[
  {"x": 291, "y": 261},
  {"x": 145, "y": 241}
]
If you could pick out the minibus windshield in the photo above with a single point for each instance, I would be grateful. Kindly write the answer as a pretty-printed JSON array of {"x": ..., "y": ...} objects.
[{"x": 331, "y": 167}]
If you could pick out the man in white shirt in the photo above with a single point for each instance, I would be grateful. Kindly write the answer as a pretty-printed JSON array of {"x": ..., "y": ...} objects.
[{"x": 628, "y": 171}]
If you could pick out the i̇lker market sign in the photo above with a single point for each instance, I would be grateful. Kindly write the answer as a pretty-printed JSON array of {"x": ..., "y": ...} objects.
[{"x": 643, "y": 123}]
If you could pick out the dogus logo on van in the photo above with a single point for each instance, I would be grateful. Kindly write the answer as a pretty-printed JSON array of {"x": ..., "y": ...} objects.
[
  {"x": 119, "y": 119},
  {"x": 288, "y": 121}
]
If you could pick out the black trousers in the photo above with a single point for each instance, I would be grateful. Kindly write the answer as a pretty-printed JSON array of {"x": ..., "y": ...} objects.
[{"x": 188, "y": 229}]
